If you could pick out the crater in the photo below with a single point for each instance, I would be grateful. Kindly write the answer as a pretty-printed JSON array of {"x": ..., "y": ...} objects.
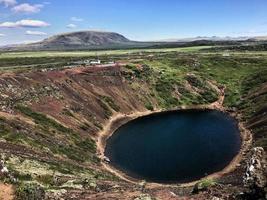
[{"x": 174, "y": 147}]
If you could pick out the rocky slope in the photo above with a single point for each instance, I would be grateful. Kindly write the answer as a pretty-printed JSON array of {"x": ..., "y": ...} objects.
[{"x": 50, "y": 120}]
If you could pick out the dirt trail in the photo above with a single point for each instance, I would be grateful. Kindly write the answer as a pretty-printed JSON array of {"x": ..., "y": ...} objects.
[
  {"x": 221, "y": 91},
  {"x": 6, "y": 192},
  {"x": 220, "y": 101},
  {"x": 17, "y": 117}
]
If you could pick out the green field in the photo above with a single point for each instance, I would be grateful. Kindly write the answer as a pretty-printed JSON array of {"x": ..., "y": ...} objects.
[{"x": 93, "y": 53}]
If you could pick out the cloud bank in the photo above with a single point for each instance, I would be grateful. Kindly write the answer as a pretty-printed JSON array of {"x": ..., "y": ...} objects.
[
  {"x": 76, "y": 19},
  {"x": 71, "y": 26},
  {"x": 25, "y": 23},
  {"x": 27, "y": 8},
  {"x": 38, "y": 33}
]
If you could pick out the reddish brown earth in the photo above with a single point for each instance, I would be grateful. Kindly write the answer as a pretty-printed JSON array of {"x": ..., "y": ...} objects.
[
  {"x": 75, "y": 98},
  {"x": 6, "y": 192}
]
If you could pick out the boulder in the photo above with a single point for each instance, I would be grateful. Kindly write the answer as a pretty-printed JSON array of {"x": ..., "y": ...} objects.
[
  {"x": 255, "y": 178},
  {"x": 256, "y": 169}
]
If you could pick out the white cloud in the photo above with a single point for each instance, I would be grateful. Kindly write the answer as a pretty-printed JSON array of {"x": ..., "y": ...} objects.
[
  {"x": 71, "y": 26},
  {"x": 8, "y": 3},
  {"x": 2, "y": 35},
  {"x": 27, "y": 8},
  {"x": 76, "y": 19},
  {"x": 25, "y": 23},
  {"x": 39, "y": 33}
]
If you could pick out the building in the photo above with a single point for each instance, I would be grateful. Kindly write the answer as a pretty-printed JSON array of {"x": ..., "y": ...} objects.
[{"x": 95, "y": 62}]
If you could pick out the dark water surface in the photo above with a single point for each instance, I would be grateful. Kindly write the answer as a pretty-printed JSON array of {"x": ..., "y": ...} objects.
[{"x": 175, "y": 147}]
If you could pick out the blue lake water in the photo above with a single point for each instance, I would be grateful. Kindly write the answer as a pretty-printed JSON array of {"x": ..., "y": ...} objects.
[{"x": 175, "y": 147}]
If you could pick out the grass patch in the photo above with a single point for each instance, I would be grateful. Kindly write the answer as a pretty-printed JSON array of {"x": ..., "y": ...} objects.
[
  {"x": 203, "y": 185},
  {"x": 29, "y": 191},
  {"x": 87, "y": 145},
  {"x": 42, "y": 119},
  {"x": 85, "y": 126},
  {"x": 149, "y": 106},
  {"x": 111, "y": 103},
  {"x": 46, "y": 179},
  {"x": 106, "y": 109}
]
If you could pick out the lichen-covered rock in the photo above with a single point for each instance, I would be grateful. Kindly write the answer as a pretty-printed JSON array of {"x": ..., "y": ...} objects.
[
  {"x": 255, "y": 178},
  {"x": 5, "y": 173},
  {"x": 3, "y": 168},
  {"x": 256, "y": 169}
]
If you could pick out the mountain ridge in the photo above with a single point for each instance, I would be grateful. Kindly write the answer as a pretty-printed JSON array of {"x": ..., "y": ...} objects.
[{"x": 89, "y": 40}]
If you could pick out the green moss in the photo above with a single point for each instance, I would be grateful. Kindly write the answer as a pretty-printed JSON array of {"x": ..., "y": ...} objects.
[
  {"x": 29, "y": 191},
  {"x": 98, "y": 125},
  {"x": 46, "y": 179},
  {"x": 164, "y": 88},
  {"x": 42, "y": 119},
  {"x": 85, "y": 126},
  {"x": 203, "y": 185},
  {"x": 106, "y": 109},
  {"x": 4, "y": 130},
  {"x": 149, "y": 106},
  {"x": 72, "y": 153},
  {"x": 15, "y": 137},
  {"x": 22, "y": 177},
  {"x": 111, "y": 103},
  {"x": 87, "y": 145}
]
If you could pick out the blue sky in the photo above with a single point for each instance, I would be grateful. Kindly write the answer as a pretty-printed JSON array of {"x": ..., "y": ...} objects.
[{"x": 32, "y": 20}]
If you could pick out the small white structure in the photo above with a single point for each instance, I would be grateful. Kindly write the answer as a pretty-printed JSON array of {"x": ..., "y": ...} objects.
[
  {"x": 95, "y": 62},
  {"x": 226, "y": 54}
]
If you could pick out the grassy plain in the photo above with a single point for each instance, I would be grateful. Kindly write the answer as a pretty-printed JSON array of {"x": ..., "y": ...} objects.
[{"x": 94, "y": 52}]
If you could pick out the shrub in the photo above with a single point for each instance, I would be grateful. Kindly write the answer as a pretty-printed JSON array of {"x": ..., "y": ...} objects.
[
  {"x": 30, "y": 191},
  {"x": 42, "y": 119},
  {"x": 111, "y": 103},
  {"x": 106, "y": 109},
  {"x": 203, "y": 185},
  {"x": 72, "y": 153},
  {"x": 45, "y": 179},
  {"x": 85, "y": 126},
  {"x": 149, "y": 106},
  {"x": 88, "y": 145}
]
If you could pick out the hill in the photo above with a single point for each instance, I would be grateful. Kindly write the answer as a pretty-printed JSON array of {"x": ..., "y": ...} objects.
[{"x": 78, "y": 40}]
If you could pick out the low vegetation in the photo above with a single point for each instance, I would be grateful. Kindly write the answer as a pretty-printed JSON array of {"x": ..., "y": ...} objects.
[
  {"x": 203, "y": 185},
  {"x": 29, "y": 191}
]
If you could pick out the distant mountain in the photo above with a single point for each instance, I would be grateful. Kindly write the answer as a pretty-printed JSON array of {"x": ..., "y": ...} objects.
[
  {"x": 260, "y": 38},
  {"x": 214, "y": 39},
  {"x": 87, "y": 40},
  {"x": 77, "y": 40}
]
